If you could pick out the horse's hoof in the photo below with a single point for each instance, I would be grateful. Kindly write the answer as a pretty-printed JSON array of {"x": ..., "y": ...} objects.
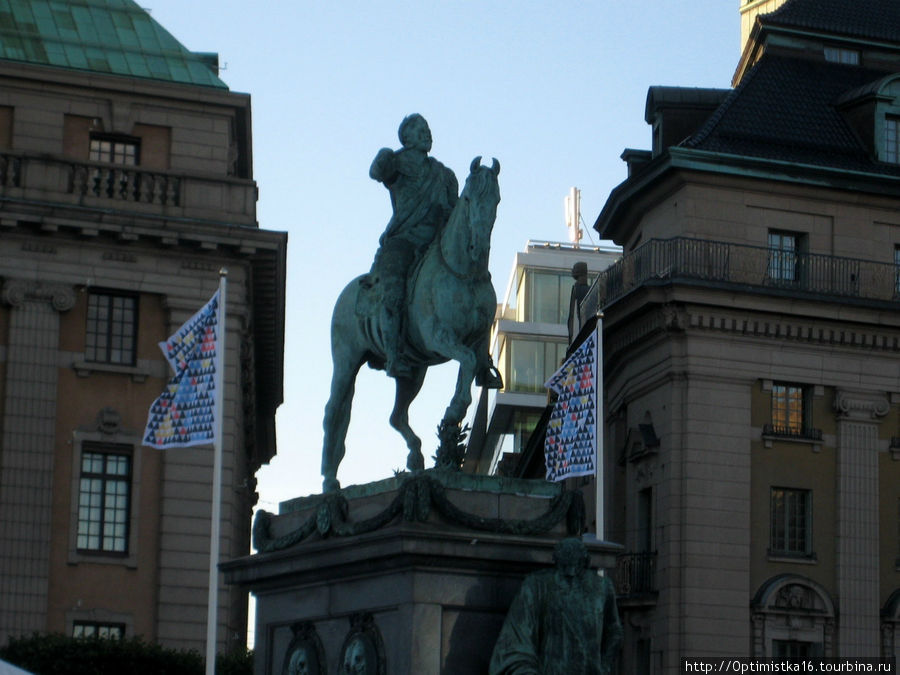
[
  {"x": 489, "y": 378},
  {"x": 331, "y": 485}
]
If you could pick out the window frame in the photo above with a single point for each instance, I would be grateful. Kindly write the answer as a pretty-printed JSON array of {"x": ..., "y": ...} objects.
[
  {"x": 788, "y": 648},
  {"x": 97, "y": 627},
  {"x": 112, "y": 155},
  {"x": 790, "y": 409},
  {"x": 783, "y": 531},
  {"x": 535, "y": 282},
  {"x": 783, "y": 265},
  {"x": 552, "y": 355},
  {"x": 84, "y": 440},
  {"x": 890, "y": 145},
  {"x": 781, "y": 426},
  {"x": 97, "y": 327},
  {"x": 106, "y": 478},
  {"x": 842, "y": 55},
  {"x": 896, "y": 270}
]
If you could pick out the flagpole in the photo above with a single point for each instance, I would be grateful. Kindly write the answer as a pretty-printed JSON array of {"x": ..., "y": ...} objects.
[
  {"x": 213, "y": 602},
  {"x": 600, "y": 432}
]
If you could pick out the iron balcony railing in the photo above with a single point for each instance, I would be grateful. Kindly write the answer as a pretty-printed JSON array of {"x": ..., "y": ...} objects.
[
  {"x": 722, "y": 263},
  {"x": 803, "y": 432},
  {"x": 636, "y": 573}
]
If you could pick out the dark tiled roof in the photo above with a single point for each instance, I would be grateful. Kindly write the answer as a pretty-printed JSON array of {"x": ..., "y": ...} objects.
[
  {"x": 104, "y": 36},
  {"x": 869, "y": 19},
  {"x": 785, "y": 109}
]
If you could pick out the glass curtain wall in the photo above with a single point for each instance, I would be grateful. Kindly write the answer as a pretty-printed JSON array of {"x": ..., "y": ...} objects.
[{"x": 543, "y": 296}]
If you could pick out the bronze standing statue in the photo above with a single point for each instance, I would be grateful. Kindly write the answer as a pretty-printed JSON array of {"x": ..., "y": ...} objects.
[
  {"x": 428, "y": 298},
  {"x": 563, "y": 621}
]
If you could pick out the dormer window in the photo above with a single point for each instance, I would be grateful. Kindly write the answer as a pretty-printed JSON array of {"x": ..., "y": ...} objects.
[
  {"x": 873, "y": 111},
  {"x": 891, "y": 139},
  {"x": 849, "y": 57}
]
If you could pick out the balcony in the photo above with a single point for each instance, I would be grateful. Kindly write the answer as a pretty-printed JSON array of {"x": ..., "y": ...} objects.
[
  {"x": 635, "y": 576},
  {"x": 801, "y": 433},
  {"x": 55, "y": 180},
  {"x": 742, "y": 267}
]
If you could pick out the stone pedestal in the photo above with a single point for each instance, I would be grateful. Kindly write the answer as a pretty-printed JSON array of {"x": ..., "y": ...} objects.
[{"x": 412, "y": 574}]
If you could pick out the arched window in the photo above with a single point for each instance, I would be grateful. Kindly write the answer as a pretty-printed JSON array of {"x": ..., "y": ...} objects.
[{"x": 792, "y": 616}]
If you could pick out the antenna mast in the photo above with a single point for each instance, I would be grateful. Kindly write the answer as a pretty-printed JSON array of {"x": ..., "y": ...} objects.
[{"x": 573, "y": 215}]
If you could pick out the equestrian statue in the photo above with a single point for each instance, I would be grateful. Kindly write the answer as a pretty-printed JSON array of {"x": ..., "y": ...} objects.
[{"x": 427, "y": 299}]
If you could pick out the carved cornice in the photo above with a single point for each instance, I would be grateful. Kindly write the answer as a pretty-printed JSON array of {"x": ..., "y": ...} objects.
[
  {"x": 18, "y": 291},
  {"x": 668, "y": 318},
  {"x": 859, "y": 405},
  {"x": 674, "y": 318},
  {"x": 795, "y": 330}
]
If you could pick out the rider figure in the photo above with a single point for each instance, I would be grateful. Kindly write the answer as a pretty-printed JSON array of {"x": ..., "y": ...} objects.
[{"x": 423, "y": 193}]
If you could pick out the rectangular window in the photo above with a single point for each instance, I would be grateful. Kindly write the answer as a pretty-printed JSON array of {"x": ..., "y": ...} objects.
[
  {"x": 642, "y": 657},
  {"x": 114, "y": 150},
  {"x": 531, "y": 363},
  {"x": 788, "y": 409},
  {"x": 92, "y": 629},
  {"x": 892, "y": 139},
  {"x": 104, "y": 496},
  {"x": 543, "y": 296},
  {"x": 849, "y": 57},
  {"x": 790, "y": 531},
  {"x": 111, "y": 333},
  {"x": 784, "y": 248},
  {"x": 791, "y": 649},
  {"x": 897, "y": 269},
  {"x": 523, "y": 426},
  {"x": 897, "y": 561},
  {"x": 644, "y": 543}
]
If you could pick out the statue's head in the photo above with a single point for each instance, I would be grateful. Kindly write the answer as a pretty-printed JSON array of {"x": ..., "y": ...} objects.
[
  {"x": 299, "y": 663},
  {"x": 579, "y": 271},
  {"x": 414, "y": 133},
  {"x": 571, "y": 558},
  {"x": 355, "y": 658}
]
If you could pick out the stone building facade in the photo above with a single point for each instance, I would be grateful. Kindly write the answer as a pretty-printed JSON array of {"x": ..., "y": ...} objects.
[
  {"x": 125, "y": 186},
  {"x": 752, "y": 350}
]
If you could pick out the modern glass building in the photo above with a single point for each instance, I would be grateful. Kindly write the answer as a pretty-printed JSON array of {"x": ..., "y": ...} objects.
[{"x": 528, "y": 343}]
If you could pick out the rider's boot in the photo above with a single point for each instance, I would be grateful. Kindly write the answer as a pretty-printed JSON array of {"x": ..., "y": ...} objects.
[{"x": 395, "y": 365}]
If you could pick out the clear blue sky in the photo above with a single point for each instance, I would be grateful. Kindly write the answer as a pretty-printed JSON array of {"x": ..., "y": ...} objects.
[{"x": 554, "y": 90}]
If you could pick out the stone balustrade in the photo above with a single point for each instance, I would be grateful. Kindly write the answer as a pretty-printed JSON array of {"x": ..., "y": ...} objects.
[{"x": 127, "y": 188}]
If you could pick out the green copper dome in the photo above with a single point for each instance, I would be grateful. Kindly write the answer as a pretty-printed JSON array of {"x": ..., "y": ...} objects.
[{"x": 102, "y": 36}]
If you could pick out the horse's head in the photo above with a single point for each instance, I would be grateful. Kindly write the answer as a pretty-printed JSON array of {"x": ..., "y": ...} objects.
[{"x": 479, "y": 199}]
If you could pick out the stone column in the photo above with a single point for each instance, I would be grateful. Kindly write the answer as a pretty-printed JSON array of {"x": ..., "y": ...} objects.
[
  {"x": 27, "y": 445},
  {"x": 857, "y": 520}
]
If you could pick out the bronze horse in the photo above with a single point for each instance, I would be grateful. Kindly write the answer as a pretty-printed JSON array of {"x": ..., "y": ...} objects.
[{"x": 450, "y": 310}]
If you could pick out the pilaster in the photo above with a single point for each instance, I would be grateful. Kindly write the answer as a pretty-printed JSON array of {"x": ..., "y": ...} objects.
[
  {"x": 26, "y": 465},
  {"x": 859, "y": 415}
]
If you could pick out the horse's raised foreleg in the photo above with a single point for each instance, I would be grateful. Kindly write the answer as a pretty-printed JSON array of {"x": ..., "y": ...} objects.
[
  {"x": 337, "y": 419},
  {"x": 407, "y": 390},
  {"x": 447, "y": 344}
]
